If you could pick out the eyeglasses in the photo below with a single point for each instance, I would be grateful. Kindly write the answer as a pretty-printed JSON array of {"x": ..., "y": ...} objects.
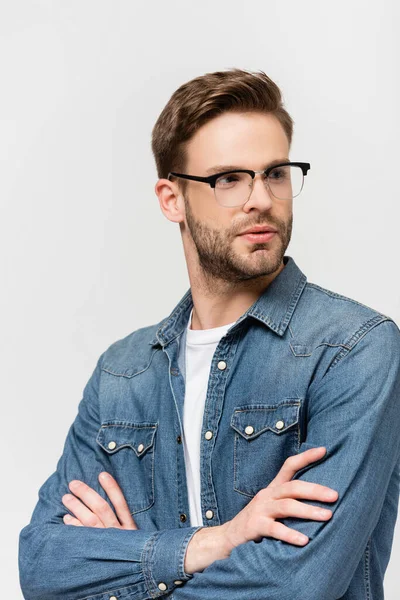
[{"x": 233, "y": 188}]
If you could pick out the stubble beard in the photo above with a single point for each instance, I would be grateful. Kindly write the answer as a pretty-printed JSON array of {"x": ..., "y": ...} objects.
[{"x": 218, "y": 259}]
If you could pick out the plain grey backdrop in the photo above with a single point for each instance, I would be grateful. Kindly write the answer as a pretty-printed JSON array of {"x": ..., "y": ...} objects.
[{"x": 86, "y": 254}]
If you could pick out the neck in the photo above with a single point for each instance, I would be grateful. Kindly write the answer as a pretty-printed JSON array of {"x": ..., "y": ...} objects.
[{"x": 218, "y": 302}]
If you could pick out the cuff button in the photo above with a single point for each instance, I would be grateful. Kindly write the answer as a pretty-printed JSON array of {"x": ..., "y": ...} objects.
[
  {"x": 178, "y": 582},
  {"x": 162, "y": 586}
]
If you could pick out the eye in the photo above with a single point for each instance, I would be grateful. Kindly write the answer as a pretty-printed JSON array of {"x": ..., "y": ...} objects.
[
  {"x": 278, "y": 174},
  {"x": 229, "y": 180}
]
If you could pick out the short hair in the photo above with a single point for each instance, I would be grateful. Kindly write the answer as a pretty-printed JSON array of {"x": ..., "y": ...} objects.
[{"x": 205, "y": 97}]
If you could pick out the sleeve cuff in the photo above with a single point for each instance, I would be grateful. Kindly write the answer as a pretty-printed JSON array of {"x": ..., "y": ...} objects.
[{"x": 163, "y": 560}]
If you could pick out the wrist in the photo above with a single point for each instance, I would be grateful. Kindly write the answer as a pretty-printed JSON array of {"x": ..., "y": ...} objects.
[{"x": 206, "y": 546}]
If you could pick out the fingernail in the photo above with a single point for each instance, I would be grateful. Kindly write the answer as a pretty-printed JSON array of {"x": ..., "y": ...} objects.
[
  {"x": 332, "y": 494},
  {"x": 302, "y": 539},
  {"x": 104, "y": 475},
  {"x": 67, "y": 517},
  {"x": 75, "y": 483}
]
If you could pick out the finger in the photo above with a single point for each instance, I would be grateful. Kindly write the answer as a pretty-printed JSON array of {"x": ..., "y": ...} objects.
[
  {"x": 81, "y": 512},
  {"x": 118, "y": 501},
  {"x": 296, "y": 462},
  {"x": 68, "y": 520},
  {"x": 303, "y": 489},
  {"x": 279, "y": 531},
  {"x": 97, "y": 506},
  {"x": 293, "y": 508}
]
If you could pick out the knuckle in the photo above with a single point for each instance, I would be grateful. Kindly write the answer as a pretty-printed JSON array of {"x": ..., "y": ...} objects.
[
  {"x": 92, "y": 521},
  {"x": 259, "y": 498},
  {"x": 102, "y": 509},
  {"x": 290, "y": 461},
  {"x": 297, "y": 486},
  {"x": 285, "y": 506}
]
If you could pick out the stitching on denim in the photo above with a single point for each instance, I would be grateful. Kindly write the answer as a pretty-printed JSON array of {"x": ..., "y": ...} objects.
[
  {"x": 236, "y": 442},
  {"x": 100, "y": 595},
  {"x": 206, "y": 458},
  {"x": 185, "y": 302},
  {"x": 341, "y": 297},
  {"x": 148, "y": 551},
  {"x": 357, "y": 336},
  {"x": 108, "y": 370},
  {"x": 367, "y": 581},
  {"x": 151, "y": 497},
  {"x": 339, "y": 345},
  {"x": 182, "y": 553},
  {"x": 299, "y": 288}
]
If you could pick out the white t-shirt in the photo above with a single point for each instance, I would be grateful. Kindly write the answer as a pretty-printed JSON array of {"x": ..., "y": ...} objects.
[{"x": 200, "y": 348}]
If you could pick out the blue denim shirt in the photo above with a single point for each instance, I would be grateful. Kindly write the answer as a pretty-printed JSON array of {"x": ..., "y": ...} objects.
[{"x": 324, "y": 365}]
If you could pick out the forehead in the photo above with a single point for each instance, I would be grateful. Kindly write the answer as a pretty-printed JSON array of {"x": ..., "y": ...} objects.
[{"x": 247, "y": 138}]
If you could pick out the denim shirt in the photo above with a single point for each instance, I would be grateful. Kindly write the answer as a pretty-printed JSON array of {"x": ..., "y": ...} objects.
[{"x": 303, "y": 367}]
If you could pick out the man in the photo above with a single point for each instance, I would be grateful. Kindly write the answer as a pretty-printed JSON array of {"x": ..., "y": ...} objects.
[{"x": 258, "y": 388}]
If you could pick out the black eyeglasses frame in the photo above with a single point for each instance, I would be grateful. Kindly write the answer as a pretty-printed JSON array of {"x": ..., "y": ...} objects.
[{"x": 211, "y": 179}]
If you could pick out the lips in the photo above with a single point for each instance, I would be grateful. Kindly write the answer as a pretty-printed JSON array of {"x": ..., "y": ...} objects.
[{"x": 260, "y": 229}]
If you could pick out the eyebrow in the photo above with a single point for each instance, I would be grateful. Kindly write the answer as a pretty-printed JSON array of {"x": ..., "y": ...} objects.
[{"x": 222, "y": 168}]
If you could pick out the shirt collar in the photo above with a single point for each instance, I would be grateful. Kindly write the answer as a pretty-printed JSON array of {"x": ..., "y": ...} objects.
[{"x": 274, "y": 307}]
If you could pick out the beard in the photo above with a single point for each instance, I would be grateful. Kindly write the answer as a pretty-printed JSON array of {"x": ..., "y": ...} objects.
[{"x": 219, "y": 260}]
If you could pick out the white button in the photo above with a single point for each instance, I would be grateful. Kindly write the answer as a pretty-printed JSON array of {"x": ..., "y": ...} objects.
[
  {"x": 162, "y": 586},
  {"x": 249, "y": 430},
  {"x": 113, "y": 597},
  {"x": 280, "y": 424},
  {"x": 112, "y": 445},
  {"x": 209, "y": 514},
  {"x": 208, "y": 435},
  {"x": 178, "y": 582},
  {"x": 222, "y": 365},
  {"x": 140, "y": 447}
]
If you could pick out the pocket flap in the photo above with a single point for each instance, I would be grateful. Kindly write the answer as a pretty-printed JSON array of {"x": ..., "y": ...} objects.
[
  {"x": 252, "y": 420},
  {"x": 139, "y": 436}
]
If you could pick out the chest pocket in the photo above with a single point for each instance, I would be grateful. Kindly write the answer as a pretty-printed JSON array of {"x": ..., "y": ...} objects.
[
  {"x": 265, "y": 436},
  {"x": 128, "y": 454}
]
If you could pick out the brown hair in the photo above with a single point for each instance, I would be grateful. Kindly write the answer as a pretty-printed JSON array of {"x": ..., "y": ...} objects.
[{"x": 201, "y": 99}]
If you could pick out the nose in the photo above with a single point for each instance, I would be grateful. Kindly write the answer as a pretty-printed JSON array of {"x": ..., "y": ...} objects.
[{"x": 260, "y": 195}]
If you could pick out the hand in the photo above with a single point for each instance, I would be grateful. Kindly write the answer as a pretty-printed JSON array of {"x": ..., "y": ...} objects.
[
  {"x": 257, "y": 519},
  {"x": 95, "y": 511}
]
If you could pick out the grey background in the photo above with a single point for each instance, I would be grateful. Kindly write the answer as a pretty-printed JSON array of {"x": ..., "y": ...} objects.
[{"x": 87, "y": 256}]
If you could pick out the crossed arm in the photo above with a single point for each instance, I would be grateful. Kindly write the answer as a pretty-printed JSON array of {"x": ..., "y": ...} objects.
[{"x": 360, "y": 421}]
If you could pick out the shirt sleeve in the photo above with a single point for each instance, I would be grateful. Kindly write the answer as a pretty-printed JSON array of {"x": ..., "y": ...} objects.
[
  {"x": 354, "y": 411},
  {"x": 59, "y": 561}
]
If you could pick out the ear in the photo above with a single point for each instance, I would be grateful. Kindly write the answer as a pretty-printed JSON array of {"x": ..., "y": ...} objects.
[{"x": 170, "y": 199}]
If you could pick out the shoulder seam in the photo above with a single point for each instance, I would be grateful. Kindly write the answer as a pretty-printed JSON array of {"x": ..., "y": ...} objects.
[
  {"x": 342, "y": 297},
  {"x": 357, "y": 336}
]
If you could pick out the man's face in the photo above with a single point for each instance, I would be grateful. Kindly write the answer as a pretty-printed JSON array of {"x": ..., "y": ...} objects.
[{"x": 248, "y": 141}]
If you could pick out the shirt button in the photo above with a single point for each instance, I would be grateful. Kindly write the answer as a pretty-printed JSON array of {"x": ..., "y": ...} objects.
[
  {"x": 140, "y": 447},
  {"x": 183, "y": 517},
  {"x": 113, "y": 597},
  {"x": 222, "y": 365},
  {"x": 112, "y": 445},
  {"x": 280, "y": 425},
  {"x": 179, "y": 439},
  {"x": 249, "y": 430},
  {"x": 178, "y": 582},
  {"x": 208, "y": 435},
  {"x": 209, "y": 514},
  {"x": 162, "y": 586}
]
